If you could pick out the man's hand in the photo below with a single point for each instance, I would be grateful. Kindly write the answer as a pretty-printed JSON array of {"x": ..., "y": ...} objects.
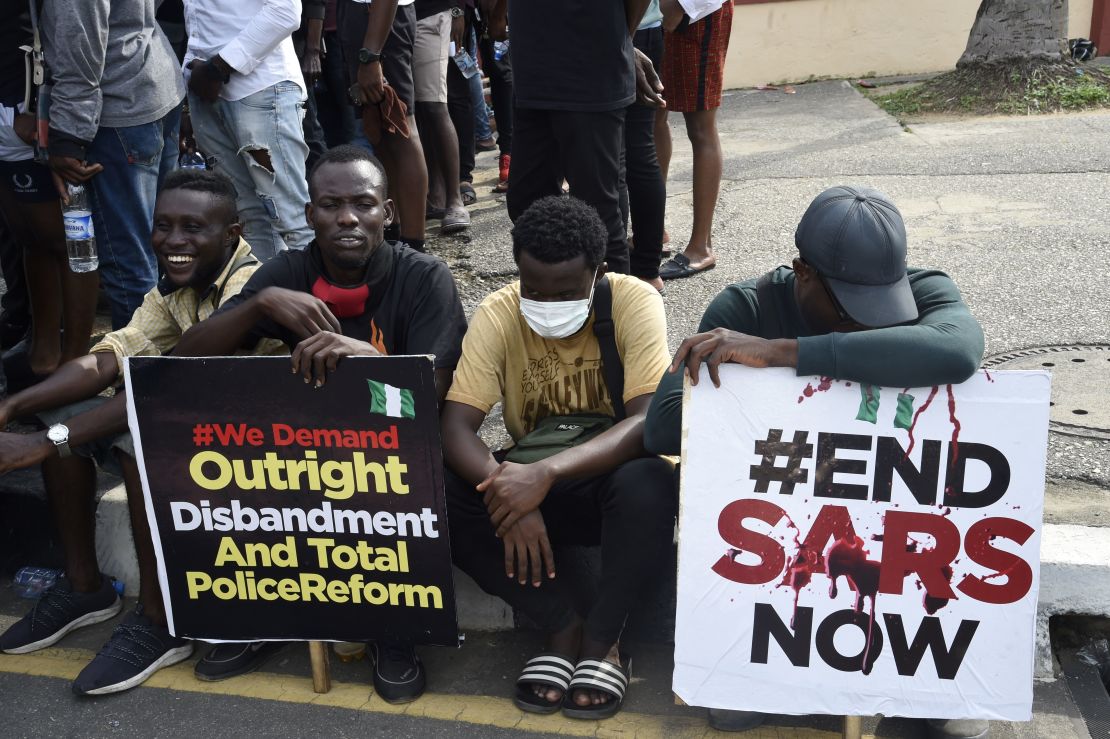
[
  {"x": 302, "y": 313},
  {"x": 722, "y": 345},
  {"x": 514, "y": 490},
  {"x": 207, "y": 78},
  {"x": 318, "y": 355},
  {"x": 648, "y": 86},
  {"x": 24, "y": 125},
  {"x": 369, "y": 87},
  {"x": 672, "y": 14},
  {"x": 458, "y": 28},
  {"x": 68, "y": 169},
  {"x": 527, "y": 542},
  {"x": 18, "y": 451},
  {"x": 312, "y": 66}
]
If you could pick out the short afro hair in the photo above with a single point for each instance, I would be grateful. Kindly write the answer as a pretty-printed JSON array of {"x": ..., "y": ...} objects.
[
  {"x": 558, "y": 229},
  {"x": 342, "y": 155},
  {"x": 216, "y": 184}
]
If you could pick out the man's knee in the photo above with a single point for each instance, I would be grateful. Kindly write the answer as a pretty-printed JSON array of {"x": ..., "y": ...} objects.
[{"x": 645, "y": 488}]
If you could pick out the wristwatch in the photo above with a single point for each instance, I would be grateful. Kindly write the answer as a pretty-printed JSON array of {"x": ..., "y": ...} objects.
[
  {"x": 456, "y": 12},
  {"x": 59, "y": 435},
  {"x": 365, "y": 56}
]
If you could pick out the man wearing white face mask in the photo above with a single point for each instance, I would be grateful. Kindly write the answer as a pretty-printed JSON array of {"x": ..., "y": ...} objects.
[{"x": 532, "y": 345}]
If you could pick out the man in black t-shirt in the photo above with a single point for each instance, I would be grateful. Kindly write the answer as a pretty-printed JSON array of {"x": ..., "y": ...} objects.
[
  {"x": 350, "y": 293},
  {"x": 574, "y": 74}
]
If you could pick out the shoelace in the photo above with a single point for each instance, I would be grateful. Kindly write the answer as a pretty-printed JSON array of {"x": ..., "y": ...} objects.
[
  {"x": 127, "y": 635},
  {"x": 51, "y": 609}
]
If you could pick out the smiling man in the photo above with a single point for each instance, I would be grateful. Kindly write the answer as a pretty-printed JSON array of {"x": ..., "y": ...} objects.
[
  {"x": 350, "y": 293},
  {"x": 204, "y": 261},
  {"x": 532, "y": 346}
]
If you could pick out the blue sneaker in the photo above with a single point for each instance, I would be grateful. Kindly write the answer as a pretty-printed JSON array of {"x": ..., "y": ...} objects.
[
  {"x": 138, "y": 648},
  {"x": 59, "y": 611}
]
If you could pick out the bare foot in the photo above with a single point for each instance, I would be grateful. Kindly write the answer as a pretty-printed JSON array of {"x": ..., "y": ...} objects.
[
  {"x": 597, "y": 697},
  {"x": 568, "y": 641},
  {"x": 655, "y": 282}
]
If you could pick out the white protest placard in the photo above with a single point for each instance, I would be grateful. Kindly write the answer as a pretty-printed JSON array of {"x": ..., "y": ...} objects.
[{"x": 857, "y": 550}]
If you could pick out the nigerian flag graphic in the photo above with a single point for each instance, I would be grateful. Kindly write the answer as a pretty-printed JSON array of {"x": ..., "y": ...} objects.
[{"x": 391, "y": 401}]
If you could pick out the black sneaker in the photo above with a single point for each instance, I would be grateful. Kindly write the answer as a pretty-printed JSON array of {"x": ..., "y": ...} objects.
[
  {"x": 59, "y": 611},
  {"x": 235, "y": 658},
  {"x": 398, "y": 672},
  {"x": 138, "y": 648}
]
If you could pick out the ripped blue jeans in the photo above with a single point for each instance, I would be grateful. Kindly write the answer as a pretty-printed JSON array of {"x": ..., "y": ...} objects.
[{"x": 257, "y": 142}]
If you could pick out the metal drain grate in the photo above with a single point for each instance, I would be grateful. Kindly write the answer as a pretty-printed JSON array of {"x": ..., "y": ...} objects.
[
  {"x": 1080, "y": 382},
  {"x": 1089, "y": 694}
]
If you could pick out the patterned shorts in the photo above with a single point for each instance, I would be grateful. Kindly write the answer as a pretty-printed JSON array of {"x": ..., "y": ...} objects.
[{"x": 694, "y": 62}]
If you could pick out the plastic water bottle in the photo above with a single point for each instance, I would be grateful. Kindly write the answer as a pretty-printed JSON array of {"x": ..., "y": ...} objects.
[
  {"x": 192, "y": 160},
  {"x": 80, "y": 238},
  {"x": 32, "y": 582},
  {"x": 500, "y": 49},
  {"x": 465, "y": 63}
]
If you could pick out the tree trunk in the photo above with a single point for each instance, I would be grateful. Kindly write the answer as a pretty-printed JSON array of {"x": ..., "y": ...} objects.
[{"x": 1017, "y": 32}]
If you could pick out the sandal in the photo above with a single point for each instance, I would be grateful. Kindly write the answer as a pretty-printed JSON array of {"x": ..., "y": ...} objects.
[
  {"x": 596, "y": 674},
  {"x": 549, "y": 669},
  {"x": 469, "y": 196},
  {"x": 679, "y": 266}
]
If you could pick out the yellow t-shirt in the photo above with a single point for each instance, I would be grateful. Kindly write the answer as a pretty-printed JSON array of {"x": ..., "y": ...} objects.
[{"x": 503, "y": 359}]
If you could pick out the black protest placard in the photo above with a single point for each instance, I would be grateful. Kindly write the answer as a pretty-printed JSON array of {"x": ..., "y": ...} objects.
[{"x": 284, "y": 511}]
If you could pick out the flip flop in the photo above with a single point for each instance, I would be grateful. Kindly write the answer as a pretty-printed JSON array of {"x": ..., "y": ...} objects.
[
  {"x": 596, "y": 674},
  {"x": 679, "y": 266},
  {"x": 469, "y": 196},
  {"x": 548, "y": 669}
]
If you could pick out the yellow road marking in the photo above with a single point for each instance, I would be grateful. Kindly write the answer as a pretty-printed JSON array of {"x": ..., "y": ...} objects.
[{"x": 479, "y": 710}]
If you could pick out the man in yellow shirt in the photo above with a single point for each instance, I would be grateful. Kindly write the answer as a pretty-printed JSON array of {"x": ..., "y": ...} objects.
[
  {"x": 204, "y": 261},
  {"x": 533, "y": 347}
]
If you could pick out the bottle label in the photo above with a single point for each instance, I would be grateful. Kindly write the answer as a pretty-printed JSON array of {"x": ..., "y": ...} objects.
[{"x": 78, "y": 225}]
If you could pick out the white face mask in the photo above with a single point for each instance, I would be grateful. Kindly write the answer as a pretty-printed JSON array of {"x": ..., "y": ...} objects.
[{"x": 557, "y": 319}]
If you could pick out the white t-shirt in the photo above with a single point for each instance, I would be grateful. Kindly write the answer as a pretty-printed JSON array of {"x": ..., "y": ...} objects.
[{"x": 252, "y": 36}]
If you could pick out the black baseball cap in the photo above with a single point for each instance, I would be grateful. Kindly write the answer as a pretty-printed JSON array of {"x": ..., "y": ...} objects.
[{"x": 855, "y": 238}]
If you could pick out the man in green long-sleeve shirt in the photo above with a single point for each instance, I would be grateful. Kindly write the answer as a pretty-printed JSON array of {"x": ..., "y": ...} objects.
[{"x": 848, "y": 309}]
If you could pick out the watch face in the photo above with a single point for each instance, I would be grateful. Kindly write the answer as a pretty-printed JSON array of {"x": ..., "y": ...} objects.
[{"x": 57, "y": 433}]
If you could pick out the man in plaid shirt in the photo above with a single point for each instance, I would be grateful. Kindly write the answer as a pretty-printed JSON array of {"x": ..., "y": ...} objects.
[{"x": 204, "y": 261}]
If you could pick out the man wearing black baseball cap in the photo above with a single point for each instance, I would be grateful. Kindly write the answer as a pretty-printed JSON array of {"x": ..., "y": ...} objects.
[{"x": 848, "y": 308}]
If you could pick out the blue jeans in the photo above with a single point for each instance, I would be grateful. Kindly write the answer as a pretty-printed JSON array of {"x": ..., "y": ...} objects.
[
  {"x": 272, "y": 194},
  {"x": 136, "y": 159},
  {"x": 482, "y": 130}
]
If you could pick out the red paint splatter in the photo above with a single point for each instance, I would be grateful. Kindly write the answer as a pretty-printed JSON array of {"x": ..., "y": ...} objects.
[
  {"x": 824, "y": 385},
  {"x": 849, "y": 558},
  {"x": 917, "y": 414},
  {"x": 955, "y": 425},
  {"x": 932, "y": 605}
]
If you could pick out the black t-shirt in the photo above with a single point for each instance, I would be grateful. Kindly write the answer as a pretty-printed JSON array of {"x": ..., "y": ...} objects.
[
  {"x": 425, "y": 8},
  {"x": 571, "y": 55},
  {"x": 13, "y": 33},
  {"x": 408, "y": 303}
]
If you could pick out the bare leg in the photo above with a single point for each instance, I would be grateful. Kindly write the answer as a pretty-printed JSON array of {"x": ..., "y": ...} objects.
[
  {"x": 70, "y": 488},
  {"x": 443, "y": 166},
  {"x": 663, "y": 148},
  {"x": 701, "y": 127},
  {"x": 404, "y": 164},
  {"x": 150, "y": 595}
]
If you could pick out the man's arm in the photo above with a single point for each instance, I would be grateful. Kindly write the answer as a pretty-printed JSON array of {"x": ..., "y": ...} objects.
[
  {"x": 944, "y": 346},
  {"x": 513, "y": 490},
  {"x": 226, "y": 330},
  {"x": 634, "y": 12},
  {"x": 371, "y": 82},
  {"x": 18, "y": 451},
  {"x": 79, "y": 37},
  {"x": 464, "y": 452},
  {"x": 75, "y": 380}
]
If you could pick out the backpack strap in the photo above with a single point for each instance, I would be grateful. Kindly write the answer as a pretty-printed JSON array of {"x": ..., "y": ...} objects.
[
  {"x": 243, "y": 261},
  {"x": 770, "y": 317},
  {"x": 606, "y": 334}
]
